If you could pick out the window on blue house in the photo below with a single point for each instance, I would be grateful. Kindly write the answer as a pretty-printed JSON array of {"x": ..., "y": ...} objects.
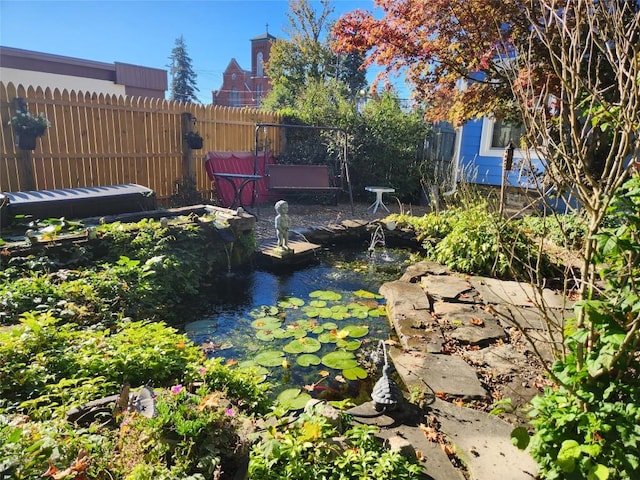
[
  {"x": 496, "y": 135},
  {"x": 505, "y": 132}
]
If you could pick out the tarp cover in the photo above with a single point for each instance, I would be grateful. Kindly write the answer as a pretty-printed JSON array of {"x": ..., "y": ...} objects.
[{"x": 239, "y": 162}]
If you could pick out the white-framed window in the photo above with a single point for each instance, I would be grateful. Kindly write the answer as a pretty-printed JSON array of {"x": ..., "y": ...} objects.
[
  {"x": 259, "y": 94},
  {"x": 496, "y": 135}
]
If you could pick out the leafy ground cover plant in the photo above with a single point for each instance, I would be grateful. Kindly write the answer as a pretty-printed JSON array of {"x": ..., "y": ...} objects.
[
  {"x": 141, "y": 270},
  {"x": 588, "y": 425},
  {"x": 48, "y": 366},
  {"x": 43, "y": 355},
  {"x": 564, "y": 230},
  {"x": 308, "y": 448},
  {"x": 472, "y": 239}
]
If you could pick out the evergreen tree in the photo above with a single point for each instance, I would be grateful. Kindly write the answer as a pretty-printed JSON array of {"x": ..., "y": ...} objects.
[
  {"x": 183, "y": 78},
  {"x": 350, "y": 72}
]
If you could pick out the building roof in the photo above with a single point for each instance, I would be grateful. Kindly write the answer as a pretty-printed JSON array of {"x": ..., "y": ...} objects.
[
  {"x": 264, "y": 36},
  {"x": 135, "y": 78}
]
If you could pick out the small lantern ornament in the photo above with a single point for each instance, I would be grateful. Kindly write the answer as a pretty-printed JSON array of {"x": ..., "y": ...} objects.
[{"x": 507, "y": 157}]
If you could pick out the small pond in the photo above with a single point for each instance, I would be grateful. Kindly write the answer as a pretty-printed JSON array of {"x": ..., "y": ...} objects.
[{"x": 311, "y": 330}]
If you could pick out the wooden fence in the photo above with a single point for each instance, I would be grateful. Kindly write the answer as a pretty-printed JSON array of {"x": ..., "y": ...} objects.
[{"x": 97, "y": 139}]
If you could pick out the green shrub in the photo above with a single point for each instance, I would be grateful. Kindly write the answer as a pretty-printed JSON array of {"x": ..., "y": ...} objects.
[
  {"x": 588, "y": 426},
  {"x": 307, "y": 449},
  {"x": 48, "y": 367},
  {"x": 41, "y": 352},
  {"x": 564, "y": 230},
  {"x": 474, "y": 240}
]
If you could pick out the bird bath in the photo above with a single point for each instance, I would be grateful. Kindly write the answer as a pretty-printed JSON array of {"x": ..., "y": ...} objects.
[{"x": 312, "y": 329}]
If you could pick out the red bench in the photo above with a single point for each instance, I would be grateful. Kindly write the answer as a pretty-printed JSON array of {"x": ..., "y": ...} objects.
[{"x": 301, "y": 178}]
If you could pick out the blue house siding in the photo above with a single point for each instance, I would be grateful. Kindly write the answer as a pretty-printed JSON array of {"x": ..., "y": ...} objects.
[
  {"x": 483, "y": 169},
  {"x": 477, "y": 168}
]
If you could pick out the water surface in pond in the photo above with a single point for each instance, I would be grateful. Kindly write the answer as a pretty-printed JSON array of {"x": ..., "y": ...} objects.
[{"x": 288, "y": 322}]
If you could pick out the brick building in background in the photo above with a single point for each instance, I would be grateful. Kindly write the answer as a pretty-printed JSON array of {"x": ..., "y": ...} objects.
[{"x": 246, "y": 88}]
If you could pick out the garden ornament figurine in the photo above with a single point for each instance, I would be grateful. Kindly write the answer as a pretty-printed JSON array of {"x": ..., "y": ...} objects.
[
  {"x": 386, "y": 393},
  {"x": 282, "y": 225}
]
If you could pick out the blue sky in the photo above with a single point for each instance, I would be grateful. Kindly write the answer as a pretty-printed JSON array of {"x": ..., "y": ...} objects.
[{"x": 144, "y": 32}]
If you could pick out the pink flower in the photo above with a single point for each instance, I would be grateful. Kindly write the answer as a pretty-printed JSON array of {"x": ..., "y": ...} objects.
[
  {"x": 229, "y": 412},
  {"x": 176, "y": 389},
  {"x": 202, "y": 371}
]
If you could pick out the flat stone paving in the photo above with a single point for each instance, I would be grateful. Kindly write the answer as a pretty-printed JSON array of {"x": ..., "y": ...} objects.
[
  {"x": 429, "y": 307},
  {"x": 456, "y": 332}
]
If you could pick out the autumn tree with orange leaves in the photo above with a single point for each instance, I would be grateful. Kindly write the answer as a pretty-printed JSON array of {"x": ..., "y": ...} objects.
[
  {"x": 438, "y": 44},
  {"x": 569, "y": 70}
]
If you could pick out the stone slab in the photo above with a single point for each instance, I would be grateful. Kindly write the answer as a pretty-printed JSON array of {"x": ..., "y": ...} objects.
[
  {"x": 296, "y": 247},
  {"x": 516, "y": 293},
  {"x": 445, "y": 308},
  {"x": 488, "y": 332},
  {"x": 420, "y": 269},
  {"x": 405, "y": 295},
  {"x": 502, "y": 359},
  {"x": 530, "y": 317},
  {"x": 483, "y": 442},
  {"x": 440, "y": 373},
  {"x": 417, "y": 330},
  {"x": 404, "y": 424},
  {"x": 444, "y": 287}
]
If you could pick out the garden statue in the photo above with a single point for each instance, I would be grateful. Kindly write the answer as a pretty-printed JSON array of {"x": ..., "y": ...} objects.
[{"x": 282, "y": 225}]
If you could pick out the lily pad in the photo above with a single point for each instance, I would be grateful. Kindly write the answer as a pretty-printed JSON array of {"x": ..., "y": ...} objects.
[
  {"x": 303, "y": 345},
  {"x": 312, "y": 312},
  {"x": 329, "y": 326},
  {"x": 291, "y": 302},
  {"x": 201, "y": 327},
  {"x": 359, "y": 311},
  {"x": 268, "y": 335},
  {"x": 366, "y": 294},
  {"x": 349, "y": 345},
  {"x": 329, "y": 337},
  {"x": 361, "y": 314},
  {"x": 266, "y": 323},
  {"x": 294, "y": 332},
  {"x": 293, "y": 398},
  {"x": 326, "y": 295},
  {"x": 377, "y": 312},
  {"x": 270, "y": 358},
  {"x": 356, "y": 331},
  {"x": 318, "y": 303},
  {"x": 308, "y": 359},
  {"x": 264, "y": 311},
  {"x": 355, "y": 373},
  {"x": 340, "y": 360}
]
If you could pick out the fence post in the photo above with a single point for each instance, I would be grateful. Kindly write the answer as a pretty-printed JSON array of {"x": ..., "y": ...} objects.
[
  {"x": 26, "y": 178},
  {"x": 187, "y": 155}
]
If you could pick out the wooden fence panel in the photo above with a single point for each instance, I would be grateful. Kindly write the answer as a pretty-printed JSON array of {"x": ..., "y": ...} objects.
[{"x": 101, "y": 139}]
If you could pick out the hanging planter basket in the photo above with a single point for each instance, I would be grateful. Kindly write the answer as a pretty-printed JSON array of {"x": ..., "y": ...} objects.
[
  {"x": 26, "y": 139},
  {"x": 194, "y": 140}
]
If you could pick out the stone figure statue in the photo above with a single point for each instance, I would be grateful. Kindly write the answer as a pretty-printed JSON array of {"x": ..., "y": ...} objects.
[{"x": 282, "y": 224}]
